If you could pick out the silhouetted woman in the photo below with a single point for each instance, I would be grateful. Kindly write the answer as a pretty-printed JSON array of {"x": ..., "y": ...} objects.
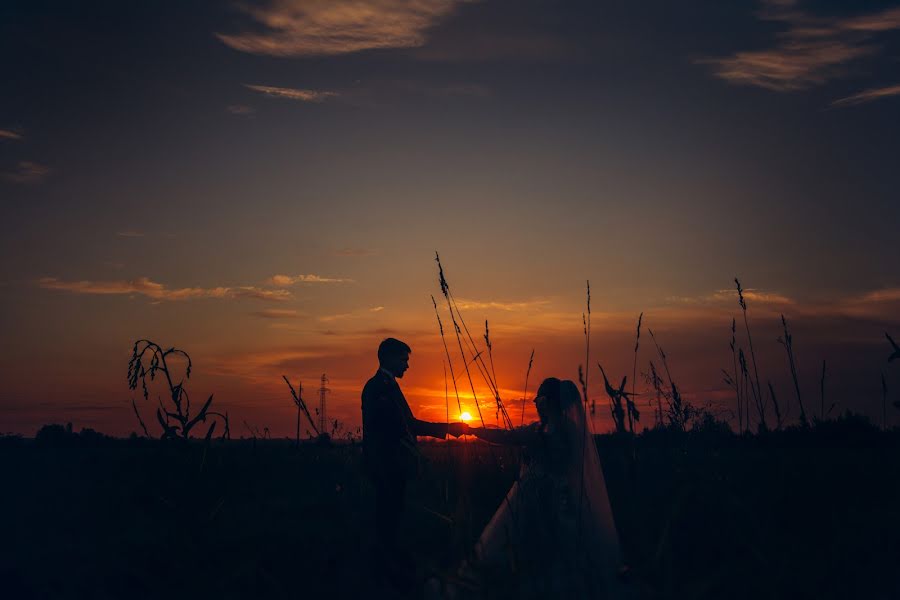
[{"x": 554, "y": 532}]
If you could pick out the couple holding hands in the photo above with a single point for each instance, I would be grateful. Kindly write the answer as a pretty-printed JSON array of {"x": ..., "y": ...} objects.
[{"x": 554, "y": 529}]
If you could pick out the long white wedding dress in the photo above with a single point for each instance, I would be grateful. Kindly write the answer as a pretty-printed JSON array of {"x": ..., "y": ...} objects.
[{"x": 554, "y": 534}]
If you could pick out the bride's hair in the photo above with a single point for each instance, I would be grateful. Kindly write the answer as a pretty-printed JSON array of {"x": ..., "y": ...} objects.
[{"x": 550, "y": 389}]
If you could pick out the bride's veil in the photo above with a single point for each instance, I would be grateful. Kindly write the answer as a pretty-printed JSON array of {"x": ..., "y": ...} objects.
[
  {"x": 589, "y": 546},
  {"x": 597, "y": 541}
]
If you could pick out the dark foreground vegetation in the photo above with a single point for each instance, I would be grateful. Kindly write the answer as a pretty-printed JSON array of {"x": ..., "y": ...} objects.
[{"x": 799, "y": 513}]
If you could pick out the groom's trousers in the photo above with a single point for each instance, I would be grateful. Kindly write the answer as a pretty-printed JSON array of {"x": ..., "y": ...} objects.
[{"x": 389, "y": 504}]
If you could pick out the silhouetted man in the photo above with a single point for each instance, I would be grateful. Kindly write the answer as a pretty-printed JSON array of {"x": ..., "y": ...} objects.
[{"x": 390, "y": 453}]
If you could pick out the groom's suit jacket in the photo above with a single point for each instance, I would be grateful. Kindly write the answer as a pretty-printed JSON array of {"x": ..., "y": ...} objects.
[{"x": 390, "y": 430}]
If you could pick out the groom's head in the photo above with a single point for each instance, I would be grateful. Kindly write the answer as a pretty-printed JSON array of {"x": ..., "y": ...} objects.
[{"x": 393, "y": 356}]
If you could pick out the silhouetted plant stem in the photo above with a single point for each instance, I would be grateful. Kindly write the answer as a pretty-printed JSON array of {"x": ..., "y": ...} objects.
[
  {"x": 637, "y": 344},
  {"x": 447, "y": 353},
  {"x": 895, "y": 354},
  {"x": 757, "y": 390},
  {"x": 737, "y": 389},
  {"x": 788, "y": 342},
  {"x": 615, "y": 399},
  {"x": 656, "y": 382},
  {"x": 775, "y": 406},
  {"x": 507, "y": 422},
  {"x": 445, "y": 290},
  {"x": 583, "y": 377},
  {"x": 144, "y": 427},
  {"x": 479, "y": 362},
  {"x": 679, "y": 413},
  {"x": 297, "y": 397},
  {"x": 586, "y": 321},
  {"x": 525, "y": 392},
  {"x": 745, "y": 382}
]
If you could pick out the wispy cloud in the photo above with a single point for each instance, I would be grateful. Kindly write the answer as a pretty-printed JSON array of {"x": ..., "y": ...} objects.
[
  {"x": 277, "y": 313},
  {"x": 240, "y": 109},
  {"x": 158, "y": 291},
  {"x": 128, "y": 233},
  {"x": 27, "y": 172},
  {"x": 879, "y": 305},
  {"x": 868, "y": 96},
  {"x": 810, "y": 52},
  {"x": 292, "y": 93},
  {"x": 728, "y": 298},
  {"x": 751, "y": 295},
  {"x": 6, "y": 134},
  {"x": 284, "y": 280},
  {"x": 331, "y": 27},
  {"x": 351, "y": 315},
  {"x": 504, "y": 306},
  {"x": 891, "y": 294}
]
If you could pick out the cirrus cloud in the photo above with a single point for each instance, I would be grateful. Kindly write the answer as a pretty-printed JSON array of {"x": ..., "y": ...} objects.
[
  {"x": 285, "y": 280},
  {"x": 868, "y": 96},
  {"x": 6, "y": 134},
  {"x": 292, "y": 93},
  {"x": 27, "y": 172},
  {"x": 811, "y": 51},
  {"x": 146, "y": 287},
  {"x": 331, "y": 27}
]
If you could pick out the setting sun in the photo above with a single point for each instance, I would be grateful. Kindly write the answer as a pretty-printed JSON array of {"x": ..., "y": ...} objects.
[{"x": 465, "y": 417}]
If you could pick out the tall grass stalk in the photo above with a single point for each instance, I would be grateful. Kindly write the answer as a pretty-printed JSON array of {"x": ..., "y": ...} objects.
[
  {"x": 297, "y": 397},
  {"x": 757, "y": 389},
  {"x": 496, "y": 389},
  {"x": 745, "y": 381},
  {"x": 896, "y": 349},
  {"x": 656, "y": 382},
  {"x": 787, "y": 340},
  {"x": 447, "y": 354},
  {"x": 678, "y": 412},
  {"x": 583, "y": 377},
  {"x": 586, "y": 320},
  {"x": 737, "y": 389},
  {"x": 477, "y": 359},
  {"x": 525, "y": 392},
  {"x": 445, "y": 289},
  {"x": 778, "y": 418},
  {"x": 470, "y": 342},
  {"x": 637, "y": 344},
  {"x": 451, "y": 306}
]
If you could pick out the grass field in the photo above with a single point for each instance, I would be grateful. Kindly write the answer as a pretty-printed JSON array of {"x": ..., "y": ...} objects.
[{"x": 809, "y": 513}]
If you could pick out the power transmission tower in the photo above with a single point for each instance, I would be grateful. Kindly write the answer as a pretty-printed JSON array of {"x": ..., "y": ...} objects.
[{"x": 323, "y": 418}]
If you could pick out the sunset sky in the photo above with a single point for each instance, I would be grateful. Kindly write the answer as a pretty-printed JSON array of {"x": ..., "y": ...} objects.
[{"x": 264, "y": 184}]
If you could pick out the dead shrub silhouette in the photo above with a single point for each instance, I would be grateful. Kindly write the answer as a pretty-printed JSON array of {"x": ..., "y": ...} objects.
[{"x": 174, "y": 415}]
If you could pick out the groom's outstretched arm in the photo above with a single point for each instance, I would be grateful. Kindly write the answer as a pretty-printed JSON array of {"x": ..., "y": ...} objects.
[{"x": 437, "y": 430}]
